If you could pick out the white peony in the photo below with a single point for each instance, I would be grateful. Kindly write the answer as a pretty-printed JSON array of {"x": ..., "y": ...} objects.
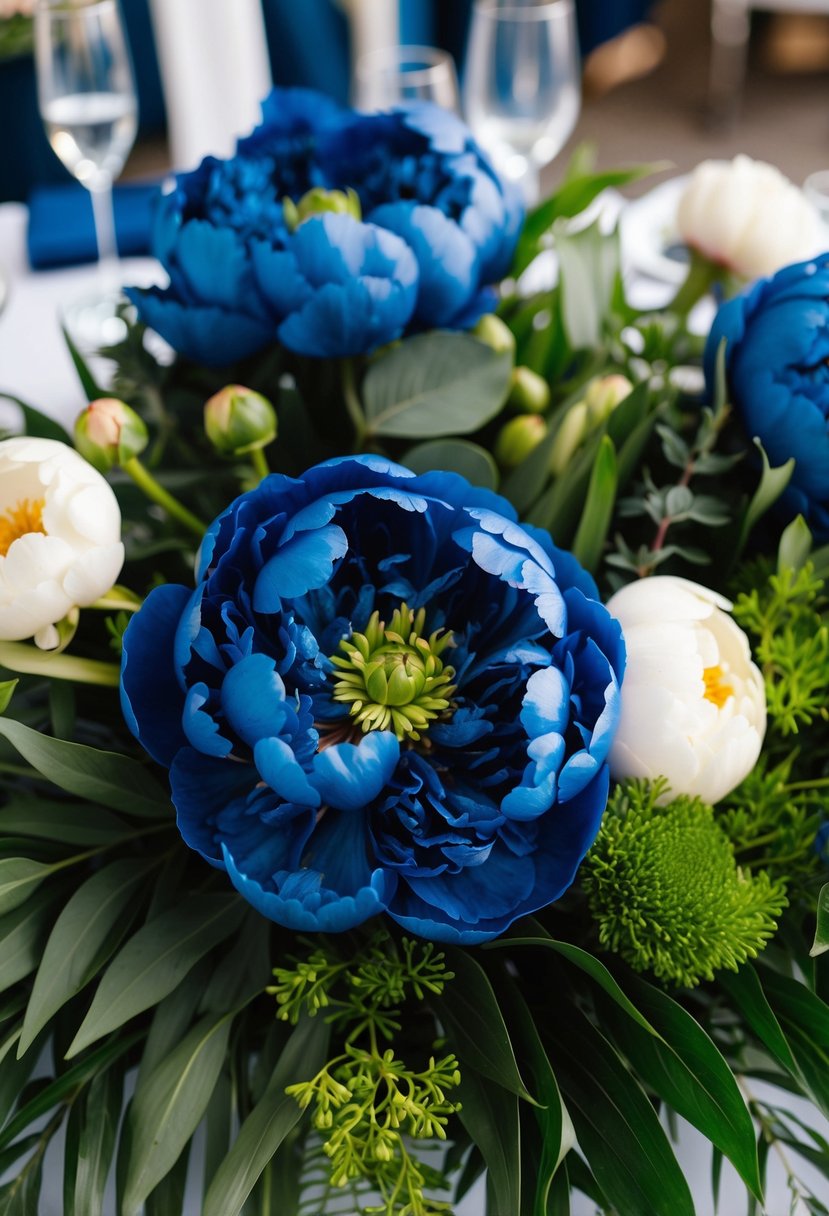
[
  {"x": 693, "y": 702},
  {"x": 745, "y": 215},
  {"x": 60, "y": 537}
]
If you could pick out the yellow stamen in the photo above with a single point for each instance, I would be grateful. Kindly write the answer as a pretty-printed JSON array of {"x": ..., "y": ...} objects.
[
  {"x": 24, "y": 517},
  {"x": 717, "y": 688}
]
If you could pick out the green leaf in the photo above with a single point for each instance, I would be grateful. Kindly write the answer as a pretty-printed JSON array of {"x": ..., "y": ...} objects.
[
  {"x": 67, "y": 822},
  {"x": 617, "y": 1127},
  {"x": 435, "y": 384},
  {"x": 172, "y": 1018},
  {"x": 455, "y": 456},
  {"x": 586, "y": 962},
  {"x": 474, "y": 1025},
  {"x": 36, "y": 424},
  {"x": 795, "y": 545},
  {"x": 28, "y": 660},
  {"x": 23, "y": 934},
  {"x": 218, "y": 1118},
  {"x": 168, "y": 1197},
  {"x": 689, "y": 1073},
  {"x": 556, "y": 1135},
  {"x": 490, "y": 1115},
  {"x": 573, "y": 197},
  {"x": 19, "y": 878},
  {"x": 772, "y": 484},
  {"x": 21, "y": 1196},
  {"x": 804, "y": 1018},
  {"x": 85, "y": 935},
  {"x": 88, "y": 383},
  {"x": 90, "y": 1143},
  {"x": 168, "y": 1107},
  {"x": 589, "y": 266},
  {"x": 598, "y": 507},
  {"x": 7, "y": 688},
  {"x": 155, "y": 960},
  {"x": 750, "y": 1001},
  {"x": 270, "y": 1121},
  {"x": 113, "y": 780},
  {"x": 73, "y": 1079},
  {"x": 821, "y": 942}
]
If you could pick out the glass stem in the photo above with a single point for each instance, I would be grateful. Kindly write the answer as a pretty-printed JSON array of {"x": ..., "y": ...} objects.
[{"x": 104, "y": 215}]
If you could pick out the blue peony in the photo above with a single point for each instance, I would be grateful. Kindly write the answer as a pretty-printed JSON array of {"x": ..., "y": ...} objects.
[
  {"x": 434, "y": 226},
  {"x": 777, "y": 358},
  {"x": 383, "y": 695}
]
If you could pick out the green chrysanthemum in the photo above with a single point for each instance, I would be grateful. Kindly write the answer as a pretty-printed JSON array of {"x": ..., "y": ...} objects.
[
  {"x": 392, "y": 677},
  {"x": 667, "y": 893}
]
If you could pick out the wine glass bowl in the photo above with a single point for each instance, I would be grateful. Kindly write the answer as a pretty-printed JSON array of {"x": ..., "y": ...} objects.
[
  {"x": 398, "y": 74},
  {"x": 522, "y": 88},
  {"x": 87, "y": 99}
]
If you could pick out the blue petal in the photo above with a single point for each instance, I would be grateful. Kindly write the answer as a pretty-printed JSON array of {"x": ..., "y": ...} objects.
[
  {"x": 206, "y": 334},
  {"x": 279, "y": 767},
  {"x": 349, "y": 776},
  {"x": 151, "y": 698},
  {"x": 215, "y": 264},
  {"x": 305, "y": 563},
  {"x": 201, "y": 728},
  {"x": 446, "y": 257},
  {"x": 253, "y": 698},
  {"x": 302, "y": 903}
]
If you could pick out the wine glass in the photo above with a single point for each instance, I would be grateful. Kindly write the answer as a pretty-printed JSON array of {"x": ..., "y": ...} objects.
[
  {"x": 396, "y": 74},
  {"x": 87, "y": 99},
  {"x": 522, "y": 86}
]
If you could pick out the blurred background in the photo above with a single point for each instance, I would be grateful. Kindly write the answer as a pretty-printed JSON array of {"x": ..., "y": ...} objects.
[{"x": 657, "y": 84}]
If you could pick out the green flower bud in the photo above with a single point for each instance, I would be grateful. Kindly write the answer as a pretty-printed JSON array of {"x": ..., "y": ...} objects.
[
  {"x": 109, "y": 433},
  {"x": 529, "y": 393},
  {"x": 493, "y": 332},
  {"x": 570, "y": 436},
  {"x": 317, "y": 201},
  {"x": 604, "y": 394},
  {"x": 517, "y": 438},
  {"x": 238, "y": 420}
]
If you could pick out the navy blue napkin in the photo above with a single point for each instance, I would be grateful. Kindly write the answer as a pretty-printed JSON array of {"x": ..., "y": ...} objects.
[{"x": 62, "y": 230}]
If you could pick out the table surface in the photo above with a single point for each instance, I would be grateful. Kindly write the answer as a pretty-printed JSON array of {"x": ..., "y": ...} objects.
[{"x": 35, "y": 366}]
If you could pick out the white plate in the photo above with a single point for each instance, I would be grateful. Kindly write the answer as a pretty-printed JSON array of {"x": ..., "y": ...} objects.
[{"x": 650, "y": 239}]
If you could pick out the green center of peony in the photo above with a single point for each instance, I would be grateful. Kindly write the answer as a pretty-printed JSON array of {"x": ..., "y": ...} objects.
[
  {"x": 392, "y": 677},
  {"x": 318, "y": 201}
]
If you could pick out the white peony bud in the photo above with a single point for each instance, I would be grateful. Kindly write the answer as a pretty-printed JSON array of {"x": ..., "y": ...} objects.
[
  {"x": 745, "y": 215},
  {"x": 693, "y": 702},
  {"x": 60, "y": 537}
]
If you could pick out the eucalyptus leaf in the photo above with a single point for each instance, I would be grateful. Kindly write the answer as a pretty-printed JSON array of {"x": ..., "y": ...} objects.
[
  {"x": 168, "y": 1107},
  {"x": 67, "y": 822},
  {"x": 435, "y": 384},
  {"x": 155, "y": 960},
  {"x": 85, "y": 935},
  {"x": 19, "y": 878},
  {"x": 270, "y": 1121},
  {"x": 773, "y": 482},
  {"x": 455, "y": 456},
  {"x": 474, "y": 1025},
  {"x": 113, "y": 780}
]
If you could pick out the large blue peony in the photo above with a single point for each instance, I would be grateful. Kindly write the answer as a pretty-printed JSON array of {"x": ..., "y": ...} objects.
[
  {"x": 777, "y": 358},
  {"x": 384, "y": 695},
  {"x": 431, "y": 226}
]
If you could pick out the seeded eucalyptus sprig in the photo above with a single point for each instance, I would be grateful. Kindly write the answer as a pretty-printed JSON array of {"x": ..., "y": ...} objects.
[{"x": 367, "y": 1102}]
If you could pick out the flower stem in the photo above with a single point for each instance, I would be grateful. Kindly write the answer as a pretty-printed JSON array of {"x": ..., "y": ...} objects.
[
  {"x": 701, "y": 277},
  {"x": 156, "y": 492},
  {"x": 260, "y": 463},
  {"x": 353, "y": 403}
]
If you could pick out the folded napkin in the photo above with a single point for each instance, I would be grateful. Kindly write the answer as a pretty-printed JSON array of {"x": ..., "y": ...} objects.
[{"x": 62, "y": 229}]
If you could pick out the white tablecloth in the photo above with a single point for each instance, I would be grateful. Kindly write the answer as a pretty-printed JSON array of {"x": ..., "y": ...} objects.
[
  {"x": 35, "y": 366},
  {"x": 34, "y": 361}
]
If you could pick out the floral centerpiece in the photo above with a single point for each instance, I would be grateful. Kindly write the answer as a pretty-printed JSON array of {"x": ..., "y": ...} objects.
[{"x": 413, "y": 733}]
